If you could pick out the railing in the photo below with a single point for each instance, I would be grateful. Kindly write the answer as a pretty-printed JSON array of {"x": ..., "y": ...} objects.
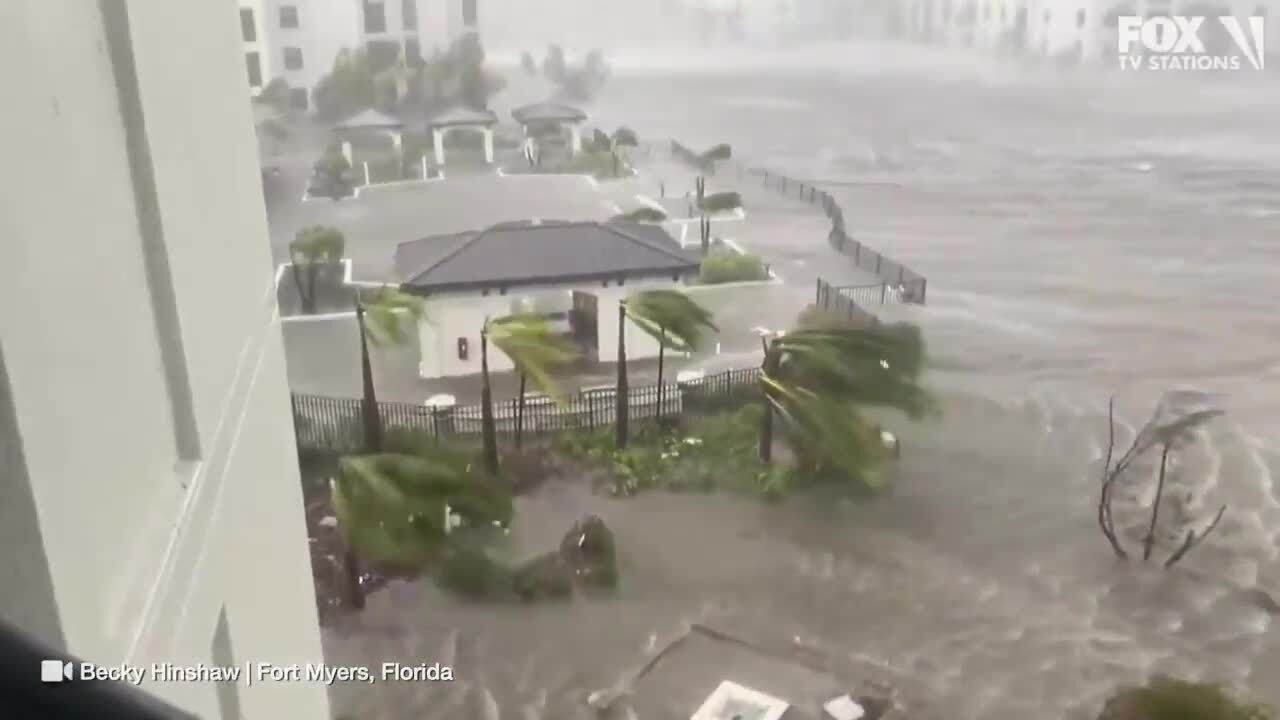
[
  {"x": 902, "y": 284},
  {"x": 842, "y": 302},
  {"x": 334, "y": 424}
]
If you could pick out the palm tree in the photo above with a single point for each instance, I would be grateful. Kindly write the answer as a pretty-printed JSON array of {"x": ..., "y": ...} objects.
[
  {"x": 527, "y": 340},
  {"x": 312, "y": 250},
  {"x": 670, "y": 317},
  {"x": 613, "y": 144},
  {"x": 814, "y": 379},
  {"x": 381, "y": 322},
  {"x": 713, "y": 203},
  {"x": 396, "y": 508}
]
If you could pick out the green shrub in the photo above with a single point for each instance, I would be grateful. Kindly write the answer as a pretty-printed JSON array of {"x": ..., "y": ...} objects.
[
  {"x": 724, "y": 265},
  {"x": 473, "y": 574},
  {"x": 1168, "y": 699},
  {"x": 721, "y": 202},
  {"x": 644, "y": 214}
]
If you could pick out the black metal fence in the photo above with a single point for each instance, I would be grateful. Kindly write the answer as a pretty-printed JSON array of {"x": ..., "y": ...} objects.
[
  {"x": 900, "y": 283},
  {"x": 334, "y": 424},
  {"x": 843, "y": 302}
]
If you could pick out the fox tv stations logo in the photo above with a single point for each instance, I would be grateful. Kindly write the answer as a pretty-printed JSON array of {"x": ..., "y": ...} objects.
[{"x": 1192, "y": 43}]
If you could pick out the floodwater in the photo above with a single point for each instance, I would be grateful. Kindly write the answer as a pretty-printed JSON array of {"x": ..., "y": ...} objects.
[{"x": 1083, "y": 237}]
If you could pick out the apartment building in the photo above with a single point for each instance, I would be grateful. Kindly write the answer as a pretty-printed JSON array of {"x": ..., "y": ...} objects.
[
  {"x": 150, "y": 504},
  {"x": 298, "y": 40}
]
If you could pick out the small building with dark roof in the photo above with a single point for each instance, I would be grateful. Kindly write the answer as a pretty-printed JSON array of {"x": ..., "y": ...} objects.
[
  {"x": 462, "y": 118},
  {"x": 548, "y": 118},
  {"x": 574, "y": 273}
]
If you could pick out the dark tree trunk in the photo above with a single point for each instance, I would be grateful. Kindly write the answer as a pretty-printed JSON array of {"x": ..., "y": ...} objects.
[
  {"x": 616, "y": 163},
  {"x": 369, "y": 400},
  {"x": 623, "y": 393},
  {"x": 1150, "y": 540},
  {"x": 662, "y": 350},
  {"x": 520, "y": 411},
  {"x": 766, "y": 419},
  {"x": 306, "y": 291},
  {"x": 704, "y": 231},
  {"x": 488, "y": 431},
  {"x": 372, "y": 444}
]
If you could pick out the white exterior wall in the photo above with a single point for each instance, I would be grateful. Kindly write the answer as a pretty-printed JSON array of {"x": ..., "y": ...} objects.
[
  {"x": 326, "y": 27},
  {"x": 452, "y": 316},
  {"x": 147, "y": 542}
]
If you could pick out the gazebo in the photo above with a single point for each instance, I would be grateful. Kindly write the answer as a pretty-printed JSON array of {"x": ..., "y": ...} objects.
[
  {"x": 369, "y": 121},
  {"x": 549, "y": 113},
  {"x": 461, "y": 117}
]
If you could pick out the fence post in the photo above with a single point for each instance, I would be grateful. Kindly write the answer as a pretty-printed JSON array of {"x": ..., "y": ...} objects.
[
  {"x": 817, "y": 291},
  {"x": 884, "y": 287},
  {"x": 857, "y": 253},
  {"x": 366, "y": 173},
  {"x": 879, "y": 258},
  {"x": 924, "y": 285},
  {"x": 901, "y": 270},
  {"x": 424, "y": 167}
]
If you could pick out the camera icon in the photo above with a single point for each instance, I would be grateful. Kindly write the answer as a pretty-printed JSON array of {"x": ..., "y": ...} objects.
[{"x": 52, "y": 671}]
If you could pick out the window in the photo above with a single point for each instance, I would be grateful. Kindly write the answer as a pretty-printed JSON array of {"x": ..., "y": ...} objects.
[
  {"x": 248, "y": 30},
  {"x": 298, "y": 98},
  {"x": 223, "y": 656},
  {"x": 375, "y": 17},
  {"x": 469, "y": 13},
  {"x": 289, "y": 17},
  {"x": 409, "y": 13},
  {"x": 292, "y": 58},
  {"x": 254, "y": 65}
]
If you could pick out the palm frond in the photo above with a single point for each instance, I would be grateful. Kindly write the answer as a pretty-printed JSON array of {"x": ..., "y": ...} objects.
[
  {"x": 670, "y": 317},
  {"x": 625, "y": 137},
  {"x": 317, "y": 244},
  {"x": 389, "y": 312},
  {"x": 527, "y": 340}
]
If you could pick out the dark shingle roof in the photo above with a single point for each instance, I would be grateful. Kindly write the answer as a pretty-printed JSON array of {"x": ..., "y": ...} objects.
[
  {"x": 540, "y": 252},
  {"x": 547, "y": 112},
  {"x": 461, "y": 116}
]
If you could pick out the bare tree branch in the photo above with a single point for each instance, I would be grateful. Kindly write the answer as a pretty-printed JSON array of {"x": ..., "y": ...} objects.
[
  {"x": 1149, "y": 541},
  {"x": 1105, "y": 522},
  {"x": 1193, "y": 539}
]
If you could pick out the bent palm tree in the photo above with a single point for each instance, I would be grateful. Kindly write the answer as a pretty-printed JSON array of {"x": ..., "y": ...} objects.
[
  {"x": 395, "y": 508},
  {"x": 713, "y": 203},
  {"x": 380, "y": 321},
  {"x": 613, "y": 144},
  {"x": 534, "y": 350},
  {"x": 815, "y": 378},
  {"x": 312, "y": 250},
  {"x": 670, "y": 317}
]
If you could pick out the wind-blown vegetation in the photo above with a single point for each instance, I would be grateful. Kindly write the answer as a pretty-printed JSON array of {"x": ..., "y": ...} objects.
[
  {"x": 815, "y": 381},
  {"x": 1168, "y": 699},
  {"x": 725, "y": 265},
  {"x": 643, "y": 214},
  {"x": 535, "y": 351},
  {"x": 670, "y": 317},
  {"x": 575, "y": 83},
  {"x": 314, "y": 250}
]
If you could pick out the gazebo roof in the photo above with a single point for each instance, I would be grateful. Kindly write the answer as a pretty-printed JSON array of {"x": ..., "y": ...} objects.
[
  {"x": 462, "y": 116},
  {"x": 547, "y": 112},
  {"x": 369, "y": 120}
]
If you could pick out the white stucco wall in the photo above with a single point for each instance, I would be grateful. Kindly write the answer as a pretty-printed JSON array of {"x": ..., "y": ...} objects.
[
  {"x": 452, "y": 316},
  {"x": 146, "y": 543}
]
